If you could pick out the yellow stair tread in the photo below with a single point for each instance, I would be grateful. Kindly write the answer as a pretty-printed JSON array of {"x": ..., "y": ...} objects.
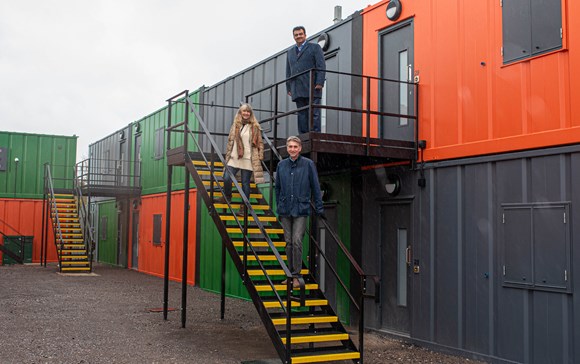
[
  {"x": 282, "y": 287},
  {"x": 307, "y": 302},
  {"x": 237, "y": 195},
  {"x": 261, "y": 244},
  {"x": 260, "y": 217},
  {"x": 264, "y": 258},
  {"x": 306, "y": 320},
  {"x": 237, "y": 230},
  {"x": 85, "y": 262},
  {"x": 272, "y": 272},
  {"x": 202, "y": 163},
  {"x": 75, "y": 268},
  {"x": 237, "y": 206},
  {"x": 207, "y": 173},
  {"x": 325, "y": 357},
  {"x": 316, "y": 338},
  {"x": 207, "y": 183}
]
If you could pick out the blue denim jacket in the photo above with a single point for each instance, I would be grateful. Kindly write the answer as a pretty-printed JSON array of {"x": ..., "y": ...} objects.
[{"x": 296, "y": 182}]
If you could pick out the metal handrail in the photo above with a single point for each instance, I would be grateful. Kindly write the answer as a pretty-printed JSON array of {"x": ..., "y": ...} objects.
[
  {"x": 360, "y": 305},
  {"x": 245, "y": 199},
  {"x": 86, "y": 223},
  {"x": 54, "y": 211}
]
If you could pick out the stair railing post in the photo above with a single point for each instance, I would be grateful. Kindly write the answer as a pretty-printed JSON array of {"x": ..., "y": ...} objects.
[
  {"x": 185, "y": 221},
  {"x": 43, "y": 235},
  {"x": 368, "y": 116},
  {"x": 361, "y": 320},
  {"x": 167, "y": 218},
  {"x": 289, "y": 285},
  {"x": 275, "y": 145},
  {"x": 223, "y": 282}
]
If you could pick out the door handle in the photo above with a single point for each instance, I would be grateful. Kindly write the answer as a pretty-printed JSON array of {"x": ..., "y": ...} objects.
[{"x": 408, "y": 255}]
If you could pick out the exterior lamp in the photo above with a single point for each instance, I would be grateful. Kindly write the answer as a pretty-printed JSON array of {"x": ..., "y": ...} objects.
[
  {"x": 324, "y": 41},
  {"x": 394, "y": 8},
  {"x": 393, "y": 185}
]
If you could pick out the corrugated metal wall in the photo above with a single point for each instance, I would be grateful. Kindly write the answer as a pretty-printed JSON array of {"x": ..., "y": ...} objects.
[
  {"x": 25, "y": 178},
  {"x": 459, "y": 298},
  {"x": 24, "y": 217},
  {"x": 152, "y": 256},
  {"x": 470, "y": 102},
  {"x": 344, "y": 55}
]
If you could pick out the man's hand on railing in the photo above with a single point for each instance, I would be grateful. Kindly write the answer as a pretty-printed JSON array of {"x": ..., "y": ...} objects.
[{"x": 321, "y": 215}]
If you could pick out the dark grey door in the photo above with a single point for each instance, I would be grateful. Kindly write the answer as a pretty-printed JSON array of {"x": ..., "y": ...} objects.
[
  {"x": 135, "y": 241},
  {"x": 395, "y": 266},
  {"x": 396, "y": 63},
  {"x": 137, "y": 162}
]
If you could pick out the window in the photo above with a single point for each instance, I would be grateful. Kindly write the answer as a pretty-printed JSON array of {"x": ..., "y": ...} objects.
[
  {"x": 103, "y": 227},
  {"x": 530, "y": 27},
  {"x": 159, "y": 143},
  {"x": 157, "y": 219},
  {"x": 536, "y": 246}
]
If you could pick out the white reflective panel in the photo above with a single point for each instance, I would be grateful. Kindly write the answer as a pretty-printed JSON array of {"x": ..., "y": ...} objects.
[
  {"x": 402, "y": 267},
  {"x": 404, "y": 69}
]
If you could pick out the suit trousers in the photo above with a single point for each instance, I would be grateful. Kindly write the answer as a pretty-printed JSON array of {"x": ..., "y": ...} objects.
[
  {"x": 303, "y": 125},
  {"x": 294, "y": 228}
]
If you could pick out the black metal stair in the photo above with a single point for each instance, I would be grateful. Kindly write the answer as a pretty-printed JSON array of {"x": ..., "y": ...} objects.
[{"x": 315, "y": 333}]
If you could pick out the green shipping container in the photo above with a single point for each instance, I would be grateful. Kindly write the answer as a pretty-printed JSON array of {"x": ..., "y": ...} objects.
[
  {"x": 22, "y": 160},
  {"x": 153, "y": 148}
]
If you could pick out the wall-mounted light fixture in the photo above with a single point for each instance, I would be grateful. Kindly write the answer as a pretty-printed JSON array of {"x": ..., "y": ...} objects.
[
  {"x": 394, "y": 8},
  {"x": 122, "y": 135},
  {"x": 324, "y": 41},
  {"x": 393, "y": 185}
]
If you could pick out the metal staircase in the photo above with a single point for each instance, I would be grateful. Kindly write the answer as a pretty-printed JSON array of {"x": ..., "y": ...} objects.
[
  {"x": 73, "y": 236},
  {"x": 301, "y": 323},
  {"x": 70, "y": 245}
]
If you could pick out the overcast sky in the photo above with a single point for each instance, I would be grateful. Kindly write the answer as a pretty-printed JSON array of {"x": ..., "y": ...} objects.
[{"x": 89, "y": 68}]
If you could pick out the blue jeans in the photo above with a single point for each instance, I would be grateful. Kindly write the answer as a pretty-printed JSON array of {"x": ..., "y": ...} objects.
[
  {"x": 303, "y": 125},
  {"x": 294, "y": 228},
  {"x": 246, "y": 176}
]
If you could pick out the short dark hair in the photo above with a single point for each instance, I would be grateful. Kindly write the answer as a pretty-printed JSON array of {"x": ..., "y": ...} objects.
[
  {"x": 299, "y": 27},
  {"x": 294, "y": 139}
]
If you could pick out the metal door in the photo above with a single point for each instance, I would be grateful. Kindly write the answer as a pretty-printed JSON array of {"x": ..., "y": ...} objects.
[
  {"x": 396, "y": 63},
  {"x": 135, "y": 241},
  {"x": 395, "y": 259},
  {"x": 137, "y": 162}
]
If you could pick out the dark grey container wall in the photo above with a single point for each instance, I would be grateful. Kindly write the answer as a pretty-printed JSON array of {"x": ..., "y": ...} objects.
[
  {"x": 344, "y": 55},
  {"x": 112, "y": 152},
  {"x": 459, "y": 300}
]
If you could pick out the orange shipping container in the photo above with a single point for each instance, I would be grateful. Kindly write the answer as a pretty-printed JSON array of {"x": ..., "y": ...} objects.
[
  {"x": 471, "y": 103},
  {"x": 24, "y": 217},
  {"x": 152, "y": 255}
]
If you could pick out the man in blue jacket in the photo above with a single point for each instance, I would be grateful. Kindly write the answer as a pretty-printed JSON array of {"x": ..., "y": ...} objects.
[
  {"x": 300, "y": 58},
  {"x": 296, "y": 183}
]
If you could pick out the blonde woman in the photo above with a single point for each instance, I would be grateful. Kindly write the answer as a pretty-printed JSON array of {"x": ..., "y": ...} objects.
[{"x": 244, "y": 153}]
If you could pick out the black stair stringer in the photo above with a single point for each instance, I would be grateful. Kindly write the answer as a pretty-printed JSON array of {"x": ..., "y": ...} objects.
[{"x": 227, "y": 240}]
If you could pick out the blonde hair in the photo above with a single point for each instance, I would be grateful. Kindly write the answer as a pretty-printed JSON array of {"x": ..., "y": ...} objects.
[{"x": 238, "y": 117}]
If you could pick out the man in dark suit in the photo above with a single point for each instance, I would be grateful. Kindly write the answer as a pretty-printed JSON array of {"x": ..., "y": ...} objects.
[{"x": 300, "y": 58}]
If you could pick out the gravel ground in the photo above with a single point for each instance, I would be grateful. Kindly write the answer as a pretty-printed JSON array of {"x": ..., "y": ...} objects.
[{"x": 107, "y": 317}]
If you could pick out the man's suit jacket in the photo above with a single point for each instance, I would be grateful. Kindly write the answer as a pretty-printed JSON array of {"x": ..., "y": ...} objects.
[{"x": 311, "y": 56}]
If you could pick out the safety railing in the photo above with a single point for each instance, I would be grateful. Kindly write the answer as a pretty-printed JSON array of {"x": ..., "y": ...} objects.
[
  {"x": 53, "y": 210},
  {"x": 376, "y": 116}
]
